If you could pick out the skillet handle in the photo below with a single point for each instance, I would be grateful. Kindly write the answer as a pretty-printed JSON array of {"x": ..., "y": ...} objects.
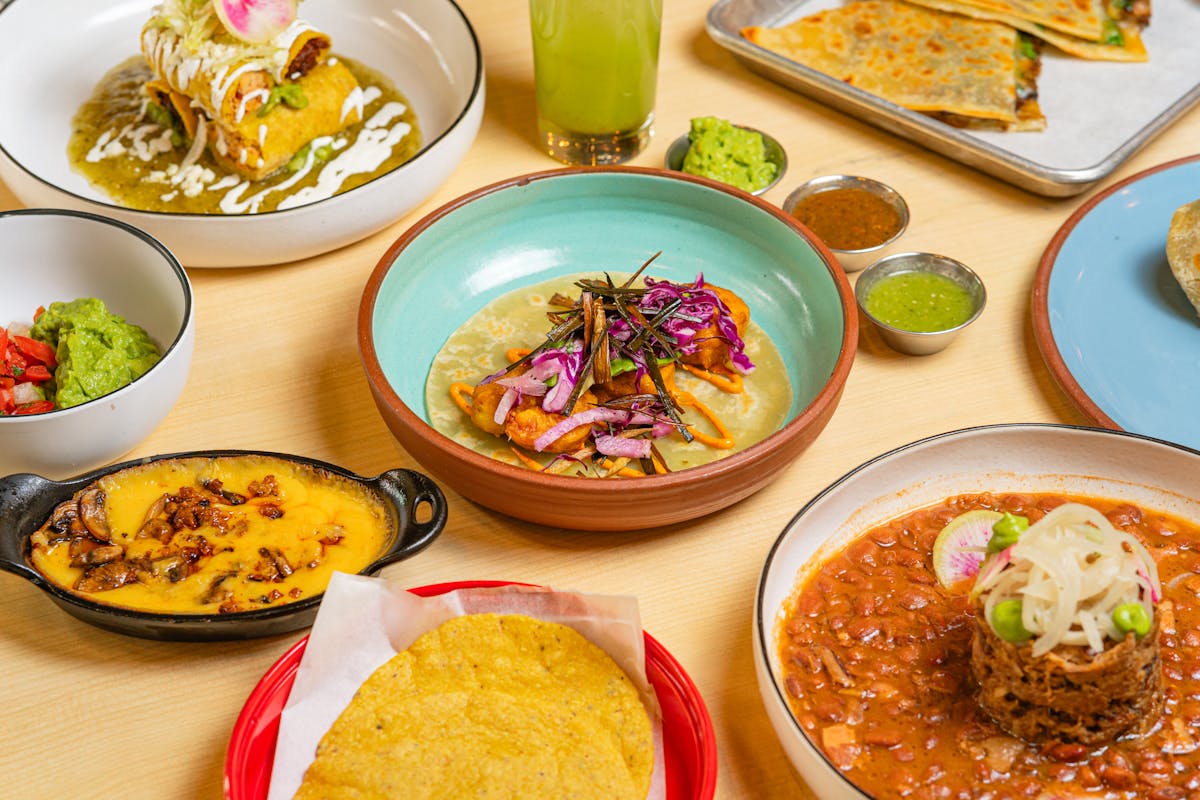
[
  {"x": 26, "y": 501},
  {"x": 409, "y": 490}
]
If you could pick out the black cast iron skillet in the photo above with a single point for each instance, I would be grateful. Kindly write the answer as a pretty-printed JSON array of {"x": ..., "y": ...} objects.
[{"x": 27, "y": 500}]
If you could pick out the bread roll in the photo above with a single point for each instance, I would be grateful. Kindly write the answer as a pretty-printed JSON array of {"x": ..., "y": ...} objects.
[{"x": 1183, "y": 250}]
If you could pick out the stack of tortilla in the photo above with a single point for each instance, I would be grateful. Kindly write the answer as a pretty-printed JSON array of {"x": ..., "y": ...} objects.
[{"x": 971, "y": 63}]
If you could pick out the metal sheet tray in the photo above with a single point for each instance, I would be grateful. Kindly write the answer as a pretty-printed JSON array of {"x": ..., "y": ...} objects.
[{"x": 1098, "y": 113}]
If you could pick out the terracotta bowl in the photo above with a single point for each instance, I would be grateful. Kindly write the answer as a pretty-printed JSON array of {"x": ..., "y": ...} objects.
[{"x": 564, "y": 222}]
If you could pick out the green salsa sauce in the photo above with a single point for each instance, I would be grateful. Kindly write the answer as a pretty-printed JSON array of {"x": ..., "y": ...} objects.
[
  {"x": 922, "y": 302},
  {"x": 117, "y": 102},
  {"x": 98, "y": 352},
  {"x": 724, "y": 152}
]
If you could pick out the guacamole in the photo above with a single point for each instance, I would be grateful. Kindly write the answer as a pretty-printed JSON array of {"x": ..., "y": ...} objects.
[
  {"x": 98, "y": 352},
  {"x": 724, "y": 152}
]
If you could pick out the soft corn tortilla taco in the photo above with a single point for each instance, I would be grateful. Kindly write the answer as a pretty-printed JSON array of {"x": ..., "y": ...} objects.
[
  {"x": 967, "y": 72},
  {"x": 1083, "y": 29}
]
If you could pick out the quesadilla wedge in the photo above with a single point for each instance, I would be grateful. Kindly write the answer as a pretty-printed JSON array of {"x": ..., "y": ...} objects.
[
  {"x": 966, "y": 72},
  {"x": 1093, "y": 29}
]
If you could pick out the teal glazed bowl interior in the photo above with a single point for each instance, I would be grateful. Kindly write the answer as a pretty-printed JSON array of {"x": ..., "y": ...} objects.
[{"x": 588, "y": 220}]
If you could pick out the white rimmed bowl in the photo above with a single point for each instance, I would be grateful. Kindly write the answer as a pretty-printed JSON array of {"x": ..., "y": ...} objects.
[
  {"x": 1093, "y": 462},
  {"x": 51, "y": 255},
  {"x": 55, "y": 51}
]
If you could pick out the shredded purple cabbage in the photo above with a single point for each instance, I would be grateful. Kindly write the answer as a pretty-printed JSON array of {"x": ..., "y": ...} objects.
[{"x": 562, "y": 366}]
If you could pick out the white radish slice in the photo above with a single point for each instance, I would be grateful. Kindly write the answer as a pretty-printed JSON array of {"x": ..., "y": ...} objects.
[{"x": 961, "y": 546}]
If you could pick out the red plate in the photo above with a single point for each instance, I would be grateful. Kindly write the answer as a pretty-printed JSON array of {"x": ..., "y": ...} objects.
[{"x": 688, "y": 740}]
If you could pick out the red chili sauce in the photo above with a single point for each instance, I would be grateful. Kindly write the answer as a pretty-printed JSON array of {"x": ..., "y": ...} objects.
[{"x": 875, "y": 658}]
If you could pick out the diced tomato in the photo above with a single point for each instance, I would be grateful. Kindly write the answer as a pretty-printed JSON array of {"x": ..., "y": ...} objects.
[
  {"x": 6, "y": 400},
  {"x": 36, "y": 407},
  {"x": 3, "y": 341},
  {"x": 37, "y": 373},
  {"x": 39, "y": 351},
  {"x": 14, "y": 360}
]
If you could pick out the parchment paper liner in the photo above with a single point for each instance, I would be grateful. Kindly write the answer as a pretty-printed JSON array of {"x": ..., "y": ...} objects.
[{"x": 363, "y": 622}]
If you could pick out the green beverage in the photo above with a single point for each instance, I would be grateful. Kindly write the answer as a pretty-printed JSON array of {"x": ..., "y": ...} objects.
[{"x": 595, "y": 68}]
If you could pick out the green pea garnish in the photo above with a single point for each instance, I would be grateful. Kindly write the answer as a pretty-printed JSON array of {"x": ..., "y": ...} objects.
[
  {"x": 1006, "y": 622},
  {"x": 1131, "y": 617},
  {"x": 1006, "y": 531}
]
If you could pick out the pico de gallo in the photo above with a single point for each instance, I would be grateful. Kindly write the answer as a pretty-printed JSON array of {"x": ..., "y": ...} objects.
[
  {"x": 72, "y": 353},
  {"x": 27, "y": 366}
]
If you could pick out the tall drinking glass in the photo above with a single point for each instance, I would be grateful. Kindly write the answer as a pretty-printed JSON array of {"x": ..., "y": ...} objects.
[{"x": 595, "y": 65}]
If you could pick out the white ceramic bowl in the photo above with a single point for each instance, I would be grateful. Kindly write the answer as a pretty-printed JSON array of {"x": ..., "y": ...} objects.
[
  {"x": 1001, "y": 458},
  {"x": 53, "y": 53},
  {"x": 64, "y": 255}
]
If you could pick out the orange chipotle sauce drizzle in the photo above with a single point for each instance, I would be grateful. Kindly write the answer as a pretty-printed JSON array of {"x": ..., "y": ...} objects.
[
  {"x": 848, "y": 219},
  {"x": 875, "y": 657}
]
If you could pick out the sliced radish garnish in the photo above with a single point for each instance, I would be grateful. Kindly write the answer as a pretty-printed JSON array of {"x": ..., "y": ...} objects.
[
  {"x": 255, "y": 21},
  {"x": 960, "y": 547}
]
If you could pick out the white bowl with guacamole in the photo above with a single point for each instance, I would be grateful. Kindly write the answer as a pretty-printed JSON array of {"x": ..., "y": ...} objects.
[{"x": 118, "y": 316}]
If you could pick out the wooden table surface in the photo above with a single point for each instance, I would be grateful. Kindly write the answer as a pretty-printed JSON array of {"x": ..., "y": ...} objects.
[{"x": 91, "y": 714}]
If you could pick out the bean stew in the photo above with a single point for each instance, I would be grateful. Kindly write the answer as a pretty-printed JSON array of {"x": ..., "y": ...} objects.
[{"x": 875, "y": 656}]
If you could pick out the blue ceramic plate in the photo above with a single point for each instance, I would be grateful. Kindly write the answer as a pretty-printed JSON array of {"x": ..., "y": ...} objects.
[{"x": 1115, "y": 329}]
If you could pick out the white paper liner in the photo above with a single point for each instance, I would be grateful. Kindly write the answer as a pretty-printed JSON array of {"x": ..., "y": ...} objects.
[{"x": 363, "y": 622}]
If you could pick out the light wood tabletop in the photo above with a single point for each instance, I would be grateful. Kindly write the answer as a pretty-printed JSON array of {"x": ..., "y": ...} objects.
[{"x": 92, "y": 714}]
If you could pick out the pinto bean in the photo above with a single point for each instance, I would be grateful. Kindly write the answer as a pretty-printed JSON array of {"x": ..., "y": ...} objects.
[
  {"x": 1117, "y": 777},
  {"x": 1167, "y": 793},
  {"x": 1068, "y": 753}
]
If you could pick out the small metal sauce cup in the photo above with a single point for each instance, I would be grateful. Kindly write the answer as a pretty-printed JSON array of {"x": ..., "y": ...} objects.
[
  {"x": 773, "y": 151},
  {"x": 854, "y": 260},
  {"x": 916, "y": 342}
]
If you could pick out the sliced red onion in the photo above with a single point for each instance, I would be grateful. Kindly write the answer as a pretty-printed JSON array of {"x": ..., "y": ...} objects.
[
  {"x": 621, "y": 447},
  {"x": 507, "y": 401},
  {"x": 592, "y": 415},
  {"x": 524, "y": 384}
]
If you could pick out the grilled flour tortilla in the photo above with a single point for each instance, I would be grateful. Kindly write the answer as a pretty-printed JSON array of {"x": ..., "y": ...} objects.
[
  {"x": 1083, "y": 28},
  {"x": 967, "y": 72},
  {"x": 489, "y": 705},
  {"x": 1183, "y": 250}
]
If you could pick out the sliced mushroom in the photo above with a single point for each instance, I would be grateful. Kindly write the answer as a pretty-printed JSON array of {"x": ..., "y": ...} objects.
[
  {"x": 93, "y": 513},
  {"x": 157, "y": 507},
  {"x": 107, "y": 576},
  {"x": 102, "y": 554},
  {"x": 59, "y": 527},
  {"x": 216, "y": 593},
  {"x": 172, "y": 568},
  {"x": 156, "y": 529}
]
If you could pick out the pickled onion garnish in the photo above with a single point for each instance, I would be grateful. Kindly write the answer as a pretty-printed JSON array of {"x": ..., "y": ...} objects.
[
  {"x": 1071, "y": 569},
  {"x": 255, "y": 21}
]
